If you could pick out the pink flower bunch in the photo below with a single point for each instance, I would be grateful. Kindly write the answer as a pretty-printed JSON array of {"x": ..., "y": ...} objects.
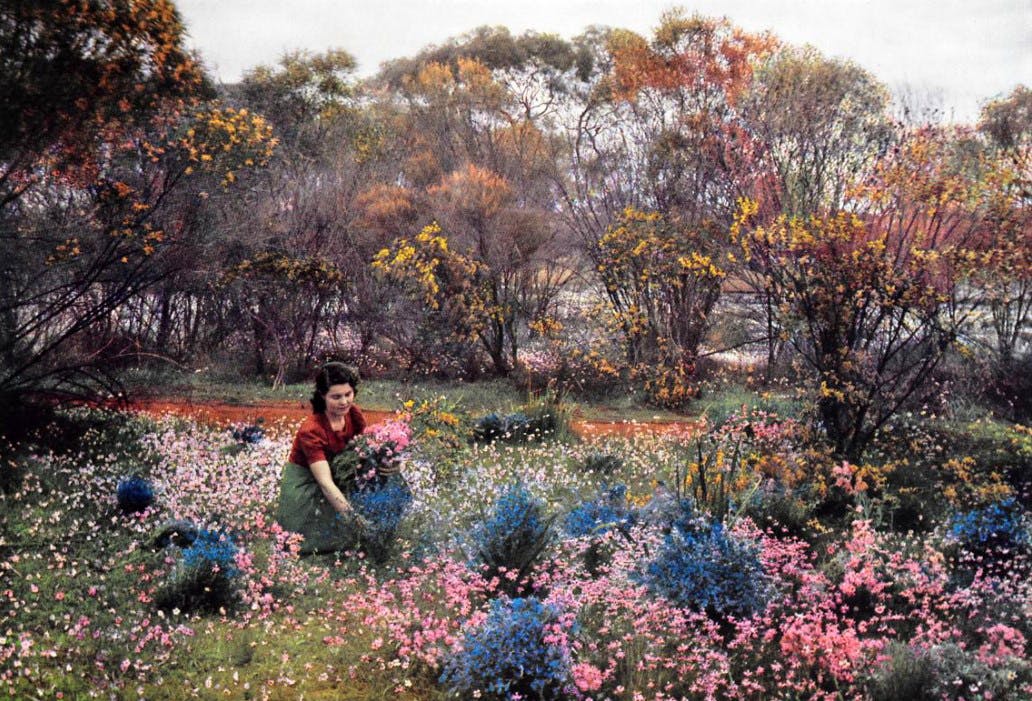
[{"x": 394, "y": 433}]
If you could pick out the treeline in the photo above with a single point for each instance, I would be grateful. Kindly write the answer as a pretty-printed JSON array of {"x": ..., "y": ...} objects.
[{"x": 591, "y": 200}]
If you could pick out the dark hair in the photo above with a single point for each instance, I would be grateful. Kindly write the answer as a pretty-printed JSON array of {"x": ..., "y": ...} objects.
[{"x": 332, "y": 374}]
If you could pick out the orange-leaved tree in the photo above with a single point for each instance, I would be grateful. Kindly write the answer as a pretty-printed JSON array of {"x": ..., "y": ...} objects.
[{"x": 660, "y": 129}]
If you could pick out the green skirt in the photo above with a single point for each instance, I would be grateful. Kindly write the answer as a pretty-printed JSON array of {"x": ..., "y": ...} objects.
[{"x": 304, "y": 509}]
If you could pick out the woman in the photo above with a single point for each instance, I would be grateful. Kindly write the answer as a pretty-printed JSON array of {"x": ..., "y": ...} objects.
[{"x": 310, "y": 503}]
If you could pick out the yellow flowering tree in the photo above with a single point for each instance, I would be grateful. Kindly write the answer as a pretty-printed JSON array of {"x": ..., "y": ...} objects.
[
  {"x": 660, "y": 287},
  {"x": 110, "y": 153},
  {"x": 871, "y": 302},
  {"x": 452, "y": 306}
]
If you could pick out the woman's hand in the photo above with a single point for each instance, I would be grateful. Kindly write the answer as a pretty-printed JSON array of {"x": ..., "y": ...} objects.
[{"x": 361, "y": 521}]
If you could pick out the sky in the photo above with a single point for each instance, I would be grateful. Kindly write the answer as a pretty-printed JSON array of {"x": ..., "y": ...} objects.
[{"x": 949, "y": 54}]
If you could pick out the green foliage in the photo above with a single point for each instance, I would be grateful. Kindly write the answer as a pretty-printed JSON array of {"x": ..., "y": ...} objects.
[{"x": 603, "y": 464}]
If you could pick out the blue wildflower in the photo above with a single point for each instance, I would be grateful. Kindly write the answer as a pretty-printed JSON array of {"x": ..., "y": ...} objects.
[
  {"x": 383, "y": 503},
  {"x": 513, "y": 535},
  {"x": 212, "y": 550},
  {"x": 703, "y": 567},
  {"x": 507, "y": 656},
  {"x": 599, "y": 515},
  {"x": 995, "y": 530}
]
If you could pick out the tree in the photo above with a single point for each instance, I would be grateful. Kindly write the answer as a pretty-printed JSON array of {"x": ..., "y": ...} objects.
[
  {"x": 819, "y": 125},
  {"x": 660, "y": 130},
  {"x": 308, "y": 212},
  {"x": 872, "y": 301},
  {"x": 103, "y": 133},
  {"x": 661, "y": 287},
  {"x": 481, "y": 164},
  {"x": 1008, "y": 161}
]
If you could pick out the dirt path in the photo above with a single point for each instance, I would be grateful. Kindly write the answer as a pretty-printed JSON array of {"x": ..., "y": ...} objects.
[{"x": 270, "y": 412}]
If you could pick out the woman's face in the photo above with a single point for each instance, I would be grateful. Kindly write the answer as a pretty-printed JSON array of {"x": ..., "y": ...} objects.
[{"x": 339, "y": 399}]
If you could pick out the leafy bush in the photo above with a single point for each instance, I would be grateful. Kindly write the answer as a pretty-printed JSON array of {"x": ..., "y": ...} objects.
[
  {"x": 134, "y": 494},
  {"x": 251, "y": 434},
  {"x": 906, "y": 675},
  {"x": 507, "y": 657},
  {"x": 514, "y": 428},
  {"x": 942, "y": 671},
  {"x": 542, "y": 419},
  {"x": 775, "y": 506},
  {"x": 512, "y": 537},
  {"x": 204, "y": 577},
  {"x": 703, "y": 567}
]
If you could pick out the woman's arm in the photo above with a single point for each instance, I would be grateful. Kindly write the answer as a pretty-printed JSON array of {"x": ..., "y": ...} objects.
[{"x": 321, "y": 471}]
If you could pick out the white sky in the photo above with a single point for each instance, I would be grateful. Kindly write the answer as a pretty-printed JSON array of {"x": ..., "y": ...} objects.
[{"x": 956, "y": 53}]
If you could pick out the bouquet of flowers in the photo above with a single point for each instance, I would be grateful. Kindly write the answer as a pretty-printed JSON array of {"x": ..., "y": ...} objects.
[{"x": 368, "y": 472}]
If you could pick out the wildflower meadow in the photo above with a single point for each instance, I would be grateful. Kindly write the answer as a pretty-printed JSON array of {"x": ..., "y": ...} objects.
[{"x": 739, "y": 561}]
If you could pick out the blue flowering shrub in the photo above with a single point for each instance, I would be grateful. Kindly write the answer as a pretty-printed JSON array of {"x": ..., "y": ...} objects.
[
  {"x": 594, "y": 519},
  {"x": 512, "y": 536},
  {"x": 251, "y": 434},
  {"x": 991, "y": 536},
  {"x": 598, "y": 516},
  {"x": 507, "y": 657},
  {"x": 702, "y": 566},
  {"x": 204, "y": 577},
  {"x": 134, "y": 494},
  {"x": 383, "y": 504}
]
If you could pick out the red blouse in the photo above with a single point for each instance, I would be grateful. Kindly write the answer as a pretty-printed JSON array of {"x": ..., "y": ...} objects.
[{"x": 315, "y": 440}]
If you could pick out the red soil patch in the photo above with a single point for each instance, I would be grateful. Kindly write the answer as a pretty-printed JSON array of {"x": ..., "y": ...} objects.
[{"x": 270, "y": 412}]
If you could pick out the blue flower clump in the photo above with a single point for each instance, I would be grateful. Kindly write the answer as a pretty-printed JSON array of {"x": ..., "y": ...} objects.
[
  {"x": 383, "y": 504},
  {"x": 213, "y": 551},
  {"x": 600, "y": 515},
  {"x": 249, "y": 435},
  {"x": 134, "y": 494},
  {"x": 206, "y": 577},
  {"x": 703, "y": 567},
  {"x": 996, "y": 530},
  {"x": 512, "y": 535},
  {"x": 507, "y": 656}
]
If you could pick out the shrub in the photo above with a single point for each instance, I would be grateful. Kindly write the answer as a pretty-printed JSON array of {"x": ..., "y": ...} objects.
[
  {"x": 703, "y": 567},
  {"x": 134, "y": 494},
  {"x": 507, "y": 657},
  {"x": 204, "y": 577},
  {"x": 778, "y": 507},
  {"x": 996, "y": 532},
  {"x": 943, "y": 672},
  {"x": 251, "y": 434},
  {"x": 599, "y": 515},
  {"x": 512, "y": 537},
  {"x": 544, "y": 418},
  {"x": 906, "y": 675}
]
